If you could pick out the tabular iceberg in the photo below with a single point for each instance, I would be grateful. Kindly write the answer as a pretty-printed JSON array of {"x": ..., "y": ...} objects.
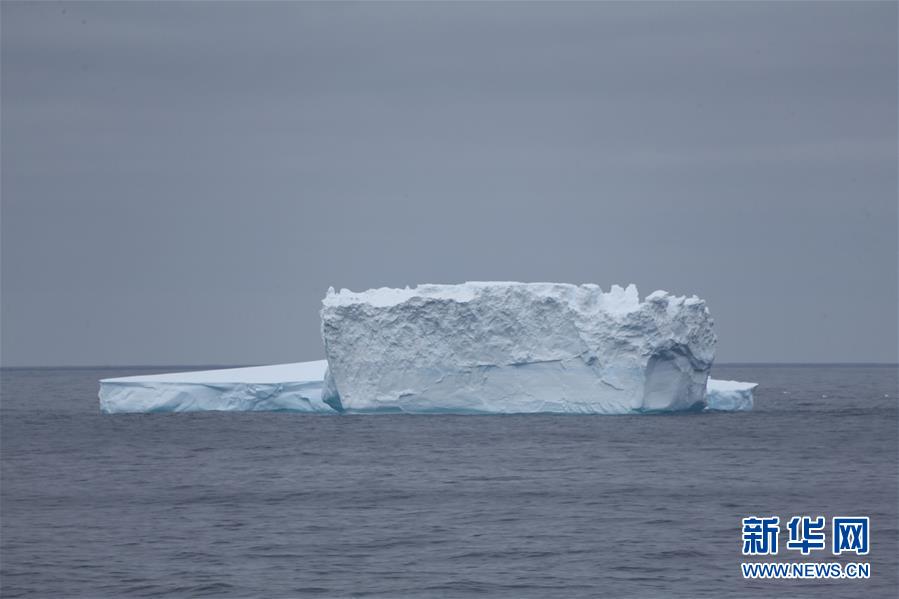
[
  {"x": 515, "y": 348},
  {"x": 287, "y": 387},
  {"x": 729, "y": 396}
]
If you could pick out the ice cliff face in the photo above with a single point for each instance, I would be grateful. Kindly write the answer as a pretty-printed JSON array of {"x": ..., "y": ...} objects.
[{"x": 515, "y": 347}]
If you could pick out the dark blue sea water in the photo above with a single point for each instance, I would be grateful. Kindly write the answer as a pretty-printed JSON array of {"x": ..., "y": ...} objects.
[{"x": 270, "y": 505}]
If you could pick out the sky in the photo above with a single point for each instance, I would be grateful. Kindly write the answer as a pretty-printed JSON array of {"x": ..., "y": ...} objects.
[{"x": 182, "y": 182}]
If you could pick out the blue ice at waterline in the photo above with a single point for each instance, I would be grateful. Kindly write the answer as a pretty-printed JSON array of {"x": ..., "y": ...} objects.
[{"x": 293, "y": 387}]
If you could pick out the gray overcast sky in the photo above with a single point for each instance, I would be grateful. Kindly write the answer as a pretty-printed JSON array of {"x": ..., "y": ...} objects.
[{"x": 181, "y": 182}]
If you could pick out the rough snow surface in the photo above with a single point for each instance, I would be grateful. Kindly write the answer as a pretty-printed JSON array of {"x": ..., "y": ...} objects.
[
  {"x": 290, "y": 387},
  {"x": 729, "y": 396},
  {"x": 515, "y": 347}
]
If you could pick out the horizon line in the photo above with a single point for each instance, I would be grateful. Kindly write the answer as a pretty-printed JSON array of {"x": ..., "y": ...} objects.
[{"x": 225, "y": 366}]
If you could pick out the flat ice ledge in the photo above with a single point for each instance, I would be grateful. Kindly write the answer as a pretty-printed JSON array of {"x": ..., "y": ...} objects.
[
  {"x": 282, "y": 387},
  {"x": 729, "y": 396}
]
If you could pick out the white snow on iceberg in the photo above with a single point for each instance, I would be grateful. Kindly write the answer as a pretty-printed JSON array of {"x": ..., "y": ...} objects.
[
  {"x": 729, "y": 396},
  {"x": 287, "y": 387},
  {"x": 515, "y": 348}
]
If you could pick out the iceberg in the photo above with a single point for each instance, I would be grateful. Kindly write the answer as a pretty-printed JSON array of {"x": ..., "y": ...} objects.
[
  {"x": 496, "y": 347},
  {"x": 282, "y": 387},
  {"x": 490, "y": 348},
  {"x": 729, "y": 396}
]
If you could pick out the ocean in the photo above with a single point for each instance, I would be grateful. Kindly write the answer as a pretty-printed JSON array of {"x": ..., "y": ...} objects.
[{"x": 292, "y": 505}]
